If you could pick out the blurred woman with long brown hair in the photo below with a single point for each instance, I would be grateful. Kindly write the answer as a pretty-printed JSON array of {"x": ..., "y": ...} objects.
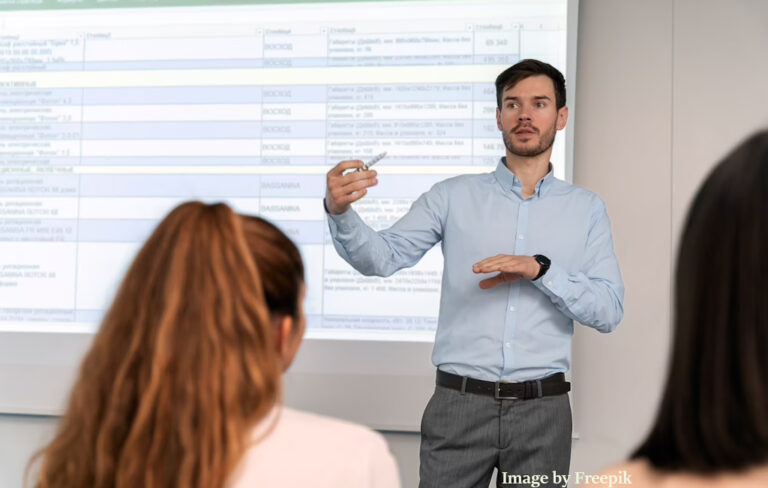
[
  {"x": 711, "y": 428},
  {"x": 182, "y": 385}
]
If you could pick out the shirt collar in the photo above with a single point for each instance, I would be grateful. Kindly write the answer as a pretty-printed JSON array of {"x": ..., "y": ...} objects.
[{"x": 510, "y": 182}]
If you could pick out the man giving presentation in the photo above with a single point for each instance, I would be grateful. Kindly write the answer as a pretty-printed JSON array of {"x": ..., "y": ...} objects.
[{"x": 525, "y": 255}]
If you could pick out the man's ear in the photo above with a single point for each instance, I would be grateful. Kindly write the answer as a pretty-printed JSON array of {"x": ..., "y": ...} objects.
[
  {"x": 498, "y": 118},
  {"x": 562, "y": 118}
]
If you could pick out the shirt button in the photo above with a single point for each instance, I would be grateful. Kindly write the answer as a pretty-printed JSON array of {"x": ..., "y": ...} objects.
[
  {"x": 521, "y": 236},
  {"x": 507, "y": 344},
  {"x": 549, "y": 283},
  {"x": 511, "y": 309}
]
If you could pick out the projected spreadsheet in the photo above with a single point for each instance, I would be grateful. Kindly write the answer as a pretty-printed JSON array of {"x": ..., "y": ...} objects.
[{"x": 110, "y": 118}]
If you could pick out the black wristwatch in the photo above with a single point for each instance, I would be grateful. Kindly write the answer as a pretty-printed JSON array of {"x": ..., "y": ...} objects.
[{"x": 544, "y": 262}]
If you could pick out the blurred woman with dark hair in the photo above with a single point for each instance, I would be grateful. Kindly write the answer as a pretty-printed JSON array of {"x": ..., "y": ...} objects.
[
  {"x": 712, "y": 425},
  {"x": 182, "y": 385}
]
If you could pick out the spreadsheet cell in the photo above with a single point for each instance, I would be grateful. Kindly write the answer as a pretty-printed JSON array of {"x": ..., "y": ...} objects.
[
  {"x": 175, "y": 130},
  {"x": 294, "y": 111},
  {"x": 172, "y": 95},
  {"x": 37, "y": 274},
  {"x": 180, "y": 64},
  {"x": 430, "y": 44},
  {"x": 36, "y": 207},
  {"x": 397, "y": 129},
  {"x": 289, "y": 209},
  {"x": 178, "y": 48},
  {"x": 137, "y": 229},
  {"x": 400, "y": 111},
  {"x": 177, "y": 147},
  {"x": 183, "y": 186},
  {"x": 38, "y": 230},
  {"x": 273, "y": 146},
  {"x": 404, "y": 92},
  {"x": 290, "y": 186},
  {"x": 177, "y": 113},
  {"x": 40, "y": 148},
  {"x": 302, "y": 46},
  {"x": 13, "y": 98},
  {"x": 10, "y": 131},
  {"x": 115, "y": 229},
  {"x": 31, "y": 113},
  {"x": 39, "y": 186}
]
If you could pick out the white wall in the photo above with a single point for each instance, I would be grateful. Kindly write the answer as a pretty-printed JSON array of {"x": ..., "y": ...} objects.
[
  {"x": 665, "y": 88},
  {"x": 623, "y": 152},
  {"x": 20, "y": 437}
]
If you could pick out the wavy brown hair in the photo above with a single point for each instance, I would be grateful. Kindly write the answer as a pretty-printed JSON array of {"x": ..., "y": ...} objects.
[{"x": 184, "y": 364}]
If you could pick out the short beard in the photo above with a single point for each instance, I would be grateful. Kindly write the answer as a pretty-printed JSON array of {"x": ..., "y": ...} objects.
[{"x": 545, "y": 142}]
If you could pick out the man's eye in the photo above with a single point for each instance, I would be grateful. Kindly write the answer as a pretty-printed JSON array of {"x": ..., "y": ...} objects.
[
  {"x": 541, "y": 105},
  {"x": 511, "y": 105}
]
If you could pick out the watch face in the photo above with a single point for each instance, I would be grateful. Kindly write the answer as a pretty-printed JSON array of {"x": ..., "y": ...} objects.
[{"x": 544, "y": 263}]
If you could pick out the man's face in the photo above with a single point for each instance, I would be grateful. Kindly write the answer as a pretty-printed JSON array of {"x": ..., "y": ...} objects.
[{"x": 528, "y": 118}]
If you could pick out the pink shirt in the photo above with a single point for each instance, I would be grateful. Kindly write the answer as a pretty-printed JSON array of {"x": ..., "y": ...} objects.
[{"x": 293, "y": 448}]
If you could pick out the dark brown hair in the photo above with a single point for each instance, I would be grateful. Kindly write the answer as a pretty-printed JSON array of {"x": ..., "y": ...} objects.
[
  {"x": 525, "y": 69},
  {"x": 714, "y": 411},
  {"x": 184, "y": 364}
]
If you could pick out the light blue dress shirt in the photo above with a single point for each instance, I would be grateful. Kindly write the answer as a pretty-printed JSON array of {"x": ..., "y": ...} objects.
[{"x": 514, "y": 331}]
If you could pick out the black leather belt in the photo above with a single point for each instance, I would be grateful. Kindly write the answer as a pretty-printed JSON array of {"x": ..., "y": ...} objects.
[{"x": 524, "y": 390}]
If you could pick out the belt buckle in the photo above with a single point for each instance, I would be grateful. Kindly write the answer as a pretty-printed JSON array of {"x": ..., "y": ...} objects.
[{"x": 497, "y": 393}]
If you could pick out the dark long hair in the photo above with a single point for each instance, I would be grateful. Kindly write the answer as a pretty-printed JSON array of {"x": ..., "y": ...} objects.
[
  {"x": 184, "y": 363},
  {"x": 714, "y": 411}
]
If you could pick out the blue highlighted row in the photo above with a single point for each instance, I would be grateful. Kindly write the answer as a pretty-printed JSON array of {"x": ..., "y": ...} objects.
[
  {"x": 201, "y": 95},
  {"x": 333, "y": 157},
  {"x": 133, "y": 230},
  {"x": 198, "y": 186},
  {"x": 298, "y": 129},
  {"x": 38, "y": 65}
]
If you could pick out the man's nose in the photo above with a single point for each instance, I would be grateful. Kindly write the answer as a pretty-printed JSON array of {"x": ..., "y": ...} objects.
[{"x": 523, "y": 116}]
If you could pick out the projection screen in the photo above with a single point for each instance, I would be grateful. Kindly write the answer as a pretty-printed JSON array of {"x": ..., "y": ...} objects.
[{"x": 113, "y": 112}]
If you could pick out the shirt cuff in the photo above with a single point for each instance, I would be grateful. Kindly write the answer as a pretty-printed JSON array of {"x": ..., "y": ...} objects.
[
  {"x": 554, "y": 283},
  {"x": 341, "y": 222}
]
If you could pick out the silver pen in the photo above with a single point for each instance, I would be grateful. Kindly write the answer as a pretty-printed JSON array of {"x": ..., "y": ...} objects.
[{"x": 376, "y": 159}]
